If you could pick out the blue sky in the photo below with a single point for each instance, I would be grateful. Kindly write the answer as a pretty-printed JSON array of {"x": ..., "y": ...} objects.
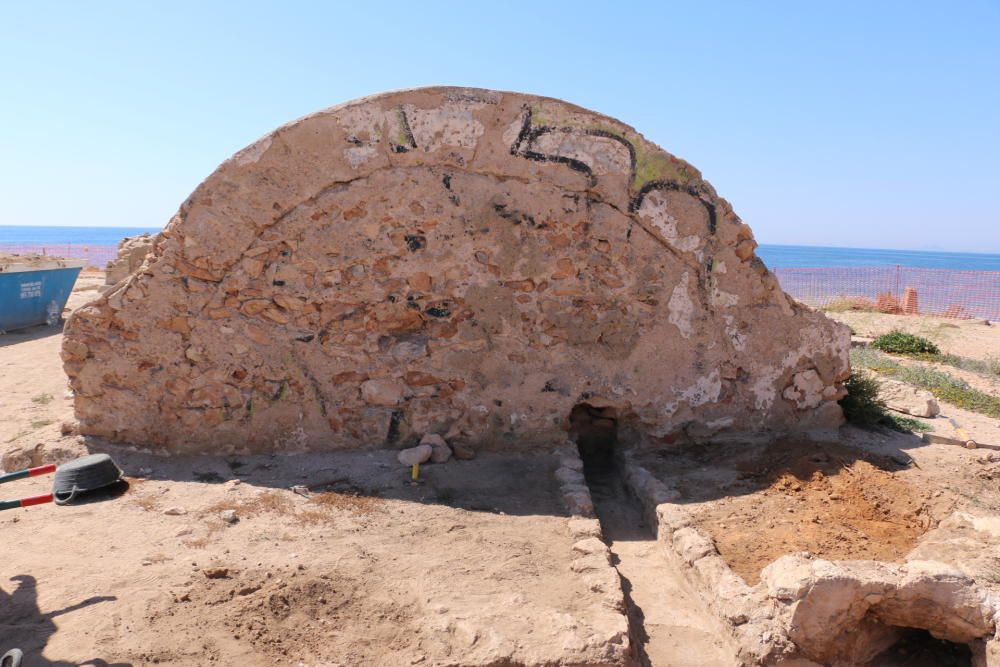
[{"x": 842, "y": 123}]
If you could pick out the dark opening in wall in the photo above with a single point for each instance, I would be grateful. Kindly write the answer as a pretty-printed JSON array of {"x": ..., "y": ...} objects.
[
  {"x": 596, "y": 433},
  {"x": 917, "y": 648}
]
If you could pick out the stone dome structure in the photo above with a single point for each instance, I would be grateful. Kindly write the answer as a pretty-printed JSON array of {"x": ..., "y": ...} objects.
[{"x": 466, "y": 262}]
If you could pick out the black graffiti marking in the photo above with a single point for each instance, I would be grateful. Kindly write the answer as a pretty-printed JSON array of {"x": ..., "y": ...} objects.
[
  {"x": 620, "y": 139},
  {"x": 522, "y": 136},
  {"x": 411, "y": 143},
  {"x": 415, "y": 242},
  {"x": 527, "y": 136},
  {"x": 515, "y": 216},
  {"x": 438, "y": 311},
  {"x": 636, "y": 202}
]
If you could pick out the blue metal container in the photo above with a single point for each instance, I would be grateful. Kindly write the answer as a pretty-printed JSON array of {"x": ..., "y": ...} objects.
[{"x": 35, "y": 292}]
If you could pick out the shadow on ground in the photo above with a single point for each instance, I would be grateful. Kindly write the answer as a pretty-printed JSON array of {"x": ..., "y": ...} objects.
[
  {"x": 714, "y": 471},
  {"x": 29, "y": 334},
  {"x": 493, "y": 482},
  {"x": 25, "y": 626},
  {"x": 520, "y": 484}
]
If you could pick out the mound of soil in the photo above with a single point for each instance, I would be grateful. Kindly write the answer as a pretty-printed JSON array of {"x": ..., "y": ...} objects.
[{"x": 293, "y": 612}]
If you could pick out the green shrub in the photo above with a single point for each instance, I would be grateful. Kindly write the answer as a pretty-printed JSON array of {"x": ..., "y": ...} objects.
[
  {"x": 900, "y": 342},
  {"x": 989, "y": 366},
  {"x": 862, "y": 405},
  {"x": 905, "y": 424},
  {"x": 946, "y": 387}
]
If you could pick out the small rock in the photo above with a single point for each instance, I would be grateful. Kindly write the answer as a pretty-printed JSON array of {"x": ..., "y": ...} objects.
[
  {"x": 441, "y": 454},
  {"x": 145, "y": 472},
  {"x": 440, "y": 451},
  {"x": 901, "y": 397},
  {"x": 216, "y": 572},
  {"x": 569, "y": 476},
  {"x": 302, "y": 491},
  {"x": 414, "y": 455},
  {"x": 433, "y": 439},
  {"x": 463, "y": 452},
  {"x": 146, "y": 561},
  {"x": 580, "y": 528},
  {"x": 579, "y": 504},
  {"x": 229, "y": 516},
  {"x": 571, "y": 462},
  {"x": 69, "y": 427},
  {"x": 175, "y": 511},
  {"x": 590, "y": 545}
]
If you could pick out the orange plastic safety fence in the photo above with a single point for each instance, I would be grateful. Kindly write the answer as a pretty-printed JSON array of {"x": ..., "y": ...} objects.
[
  {"x": 897, "y": 289},
  {"x": 96, "y": 255}
]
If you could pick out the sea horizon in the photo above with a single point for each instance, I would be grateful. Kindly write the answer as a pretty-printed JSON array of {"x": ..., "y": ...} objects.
[{"x": 775, "y": 255}]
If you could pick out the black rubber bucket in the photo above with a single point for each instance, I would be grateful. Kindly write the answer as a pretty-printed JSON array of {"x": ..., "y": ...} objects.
[{"x": 84, "y": 475}]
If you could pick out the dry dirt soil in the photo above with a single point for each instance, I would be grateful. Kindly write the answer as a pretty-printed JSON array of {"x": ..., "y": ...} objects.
[
  {"x": 869, "y": 496},
  {"x": 471, "y": 566},
  {"x": 794, "y": 497}
]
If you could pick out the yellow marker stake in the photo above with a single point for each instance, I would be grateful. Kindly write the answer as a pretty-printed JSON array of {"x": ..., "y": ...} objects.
[
  {"x": 963, "y": 434},
  {"x": 415, "y": 471}
]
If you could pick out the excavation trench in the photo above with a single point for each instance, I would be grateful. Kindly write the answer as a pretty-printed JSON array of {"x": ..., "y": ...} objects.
[
  {"x": 668, "y": 623},
  {"x": 917, "y": 648}
]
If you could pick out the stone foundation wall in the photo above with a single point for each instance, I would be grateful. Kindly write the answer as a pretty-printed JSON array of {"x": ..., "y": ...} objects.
[
  {"x": 132, "y": 252},
  {"x": 464, "y": 262}
]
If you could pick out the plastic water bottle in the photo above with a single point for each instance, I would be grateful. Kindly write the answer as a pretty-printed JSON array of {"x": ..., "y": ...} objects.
[{"x": 52, "y": 314}]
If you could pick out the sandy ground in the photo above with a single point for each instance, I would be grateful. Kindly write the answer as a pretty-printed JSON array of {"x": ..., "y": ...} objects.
[
  {"x": 968, "y": 338},
  {"x": 470, "y": 566},
  {"x": 391, "y": 576}
]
